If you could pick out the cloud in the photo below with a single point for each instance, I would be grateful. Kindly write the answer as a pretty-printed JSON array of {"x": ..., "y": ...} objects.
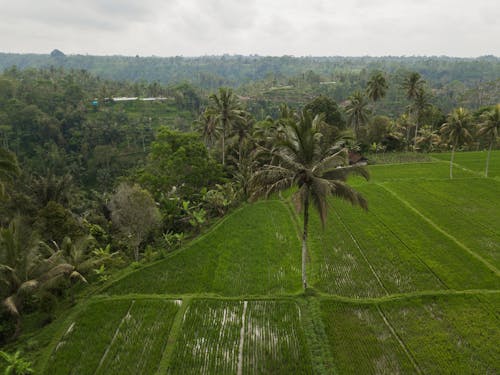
[{"x": 197, "y": 27}]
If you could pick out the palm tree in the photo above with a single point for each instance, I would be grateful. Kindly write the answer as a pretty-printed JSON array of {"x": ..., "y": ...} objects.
[
  {"x": 376, "y": 87},
  {"x": 8, "y": 168},
  {"x": 455, "y": 131},
  {"x": 490, "y": 128},
  {"x": 419, "y": 105},
  {"x": 297, "y": 160},
  {"x": 24, "y": 269},
  {"x": 412, "y": 84},
  {"x": 208, "y": 128},
  {"x": 224, "y": 110},
  {"x": 357, "y": 111}
]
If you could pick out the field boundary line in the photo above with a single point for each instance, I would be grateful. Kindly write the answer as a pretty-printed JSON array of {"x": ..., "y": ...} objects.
[
  {"x": 242, "y": 339},
  {"x": 310, "y": 317},
  {"x": 400, "y": 341},
  {"x": 442, "y": 231},
  {"x": 362, "y": 254},
  {"x": 405, "y": 296},
  {"x": 173, "y": 335},
  {"x": 114, "y": 337}
]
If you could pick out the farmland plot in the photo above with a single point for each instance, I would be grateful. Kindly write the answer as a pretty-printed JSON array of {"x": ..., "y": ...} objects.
[
  {"x": 87, "y": 338},
  {"x": 449, "y": 334},
  {"x": 226, "y": 337},
  {"x": 274, "y": 340},
  {"x": 139, "y": 343},
  {"x": 338, "y": 265},
  {"x": 454, "y": 266},
  {"x": 248, "y": 253},
  {"x": 420, "y": 171},
  {"x": 477, "y": 230},
  {"x": 209, "y": 340},
  {"x": 361, "y": 342},
  {"x": 115, "y": 337}
]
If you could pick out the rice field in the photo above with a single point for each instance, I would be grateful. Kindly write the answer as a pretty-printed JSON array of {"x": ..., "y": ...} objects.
[
  {"x": 115, "y": 337},
  {"x": 431, "y": 335},
  {"x": 409, "y": 287},
  {"x": 241, "y": 337},
  {"x": 248, "y": 254}
]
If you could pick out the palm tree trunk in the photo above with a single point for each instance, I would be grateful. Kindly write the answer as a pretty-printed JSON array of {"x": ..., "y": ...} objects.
[
  {"x": 304, "y": 241},
  {"x": 223, "y": 146},
  {"x": 415, "y": 139},
  {"x": 488, "y": 160},
  {"x": 451, "y": 161}
]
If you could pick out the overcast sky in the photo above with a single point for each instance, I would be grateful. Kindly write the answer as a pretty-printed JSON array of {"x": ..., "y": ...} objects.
[{"x": 265, "y": 27}]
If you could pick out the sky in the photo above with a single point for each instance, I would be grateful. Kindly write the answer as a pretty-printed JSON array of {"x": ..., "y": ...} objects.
[{"x": 460, "y": 28}]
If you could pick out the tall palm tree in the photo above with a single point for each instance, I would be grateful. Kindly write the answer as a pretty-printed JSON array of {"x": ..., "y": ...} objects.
[
  {"x": 490, "y": 128},
  {"x": 297, "y": 160},
  {"x": 225, "y": 111},
  {"x": 8, "y": 168},
  {"x": 456, "y": 131},
  {"x": 376, "y": 87},
  {"x": 357, "y": 111},
  {"x": 419, "y": 105}
]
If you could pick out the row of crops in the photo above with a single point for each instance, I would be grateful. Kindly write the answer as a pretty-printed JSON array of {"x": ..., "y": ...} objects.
[{"x": 455, "y": 334}]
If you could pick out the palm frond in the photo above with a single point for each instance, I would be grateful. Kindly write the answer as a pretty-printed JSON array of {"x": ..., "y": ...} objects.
[{"x": 343, "y": 172}]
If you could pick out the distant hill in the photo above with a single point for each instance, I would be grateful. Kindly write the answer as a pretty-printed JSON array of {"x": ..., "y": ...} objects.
[{"x": 235, "y": 70}]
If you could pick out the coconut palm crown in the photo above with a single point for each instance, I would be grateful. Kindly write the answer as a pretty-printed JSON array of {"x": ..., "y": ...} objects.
[
  {"x": 490, "y": 129},
  {"x": 297, "y": 160},
  {"x": 456, "y": 131}
]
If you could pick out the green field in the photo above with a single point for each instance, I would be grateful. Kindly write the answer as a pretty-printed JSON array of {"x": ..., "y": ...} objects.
[
  {"x": 249, "y": 254},
  {"x": 411, "y": 286}
]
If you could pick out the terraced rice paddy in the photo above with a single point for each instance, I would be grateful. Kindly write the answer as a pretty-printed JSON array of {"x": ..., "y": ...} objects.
[
  {"x": 411, "y": 286},
  {"x": 115, "y": 337},
  {"x": 249, "y": 254}
]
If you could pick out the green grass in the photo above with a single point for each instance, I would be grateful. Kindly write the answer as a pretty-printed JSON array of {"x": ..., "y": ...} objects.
[
  {"x": 474, "y": 161},
  {"x": 115, "y": 337},
  {"x": 255, "y": 251}
]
